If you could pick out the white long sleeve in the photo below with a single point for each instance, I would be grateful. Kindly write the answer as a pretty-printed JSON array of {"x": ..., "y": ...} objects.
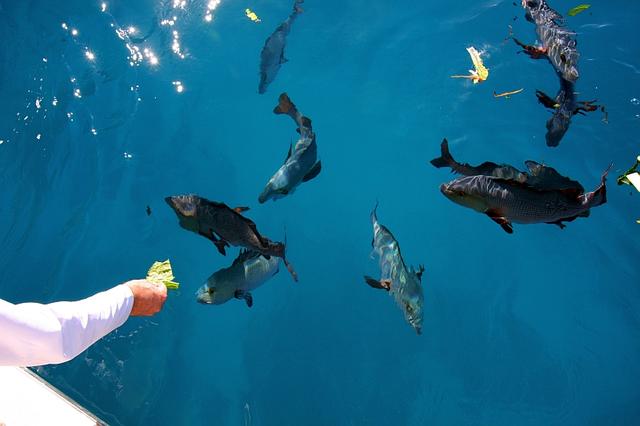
[{"x": 33, "y": 334}]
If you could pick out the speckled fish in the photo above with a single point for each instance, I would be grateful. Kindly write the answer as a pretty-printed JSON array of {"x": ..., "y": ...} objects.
[
  {"x": 537, "y": 175},
  {"x": 224, "y": 226},
  {"x": 300, "y": 164},
  {"x": 506, "y": 201},
  {"x": 272, "y": 55},
  {"x": 249, "y": 271},
  {"x": 558, "y": 42},
  {"x": 403, "y": 283}
]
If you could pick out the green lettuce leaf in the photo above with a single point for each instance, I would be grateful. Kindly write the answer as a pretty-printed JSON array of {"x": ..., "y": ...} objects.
[{"x": 161, "y": 273}]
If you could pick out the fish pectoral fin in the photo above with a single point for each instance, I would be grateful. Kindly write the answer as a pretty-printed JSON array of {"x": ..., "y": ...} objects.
[
  {"x": 248, "y": 298},
  {"x": 240, "y": 209},
  {"x": 558, "y": 223},
  {"x": 292, "y": 271},
  {"x": 220, "y": 245},
  {"x": 501, "y": 220},
  {"x": 315, "y": 171},
  {"x": 382, "y": 284}
]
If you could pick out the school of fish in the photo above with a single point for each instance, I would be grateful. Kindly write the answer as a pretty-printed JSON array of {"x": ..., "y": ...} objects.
[{"x": 502, "y": 192}]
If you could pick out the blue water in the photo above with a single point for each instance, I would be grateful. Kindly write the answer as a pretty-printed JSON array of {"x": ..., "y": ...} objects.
[{"x": 541, "y": 327}]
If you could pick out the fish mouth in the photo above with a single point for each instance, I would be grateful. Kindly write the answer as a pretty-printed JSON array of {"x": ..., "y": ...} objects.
[
  {"x": 169, "y": 200},
  {"x": 444, "y": 188},
  {"x": 203, "y": 297},
  {"x": 263, "y": 197}
]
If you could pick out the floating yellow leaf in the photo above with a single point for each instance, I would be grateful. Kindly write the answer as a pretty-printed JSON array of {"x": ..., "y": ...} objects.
[
  {"x": 579, "y": 9},
  {"x": 161, "y": 273},
  {"x": 506, "y": 94},
  {"x": 480, "y": 73},
  {"x": 251, "y": 15}
]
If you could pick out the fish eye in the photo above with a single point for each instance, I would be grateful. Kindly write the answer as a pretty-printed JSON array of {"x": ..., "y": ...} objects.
[
  {"x": 461, "y": 193},
  {"x": 211, "y": 290},
  {"x": 409, "y": 308}
]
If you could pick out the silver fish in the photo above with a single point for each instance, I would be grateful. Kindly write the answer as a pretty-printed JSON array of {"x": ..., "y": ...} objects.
[
  {"x": 507, "y": 201},
  {"x": 249, "y": 271},
  {"x": 272, "y": 55},
  {"x": 559, "y": 42},
  {"x": 300, "y": 164},
  {"x": 403, "y": 283}
]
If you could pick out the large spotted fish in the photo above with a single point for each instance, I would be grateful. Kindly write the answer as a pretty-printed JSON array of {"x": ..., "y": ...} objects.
[{"x": 507, "y": 201}]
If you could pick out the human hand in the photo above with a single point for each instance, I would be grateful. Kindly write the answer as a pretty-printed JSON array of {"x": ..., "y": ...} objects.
[{"x": 148, "y": 298}]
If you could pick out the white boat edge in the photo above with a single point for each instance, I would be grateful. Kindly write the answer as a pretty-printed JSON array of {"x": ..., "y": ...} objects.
[{"x": 27, "y": 399}]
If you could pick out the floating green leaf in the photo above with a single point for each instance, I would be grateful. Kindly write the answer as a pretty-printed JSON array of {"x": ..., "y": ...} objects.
[
  {"x": 624, "y": 178},
  {"x": 579, "y": 9},
  {"x": 161, "y": 273}
]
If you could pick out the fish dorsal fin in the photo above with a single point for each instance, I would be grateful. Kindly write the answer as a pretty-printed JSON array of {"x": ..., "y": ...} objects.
[
  {"x": 548, "y": 178},
  {"x": 289, "y": 153},
  {"x": 244, "y": 255}
]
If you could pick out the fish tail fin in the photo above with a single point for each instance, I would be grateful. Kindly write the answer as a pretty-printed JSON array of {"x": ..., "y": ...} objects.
[
  {"x": 445, "y": 159},
  {"x": 282, "y": 249},
  {"x": 599, "y": 196},
  {"x": 374, "y": 216},
  {"x": 284, "y": 105}
]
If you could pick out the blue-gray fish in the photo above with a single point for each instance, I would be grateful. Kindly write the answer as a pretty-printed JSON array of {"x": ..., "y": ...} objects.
[
  {"x": 272, "y": 55},
  {"x": 403, "y": 283},
  {"x": 249, "y": 271},
  {"x": 300, "y": 164},
  {"x": 506, "y": 201}
]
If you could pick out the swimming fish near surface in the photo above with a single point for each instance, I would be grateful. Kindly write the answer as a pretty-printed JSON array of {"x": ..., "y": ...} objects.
[
  {"x": 537, "y": 175},
  {"x": 249, "y": 271},
  {"x": 507, "y": 201},
  {"x": 403, "y": 283},
  {"x": 224, "y": 226},
  {"x": 559, "y": 46},
  {"x": 272, "y": 55},
  {"x": 558, "y": 42},
  {"x": 300, "y": 164},
  {"x": 564, "y": 106}
]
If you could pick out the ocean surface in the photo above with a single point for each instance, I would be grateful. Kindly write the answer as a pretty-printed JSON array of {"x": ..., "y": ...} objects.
[{"x": 107, "y": 108}]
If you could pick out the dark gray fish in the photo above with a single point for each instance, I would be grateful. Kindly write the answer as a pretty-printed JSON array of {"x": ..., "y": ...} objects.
[
  {"x": 486, "y": 169},
  {"x": 249, "y": 271},
  {"x": 300, "y": 164},
  {"x": 507, "y": 201},
  {"x": 272, "y": 55},
  {"x": 403, "y": 283},
  {"x": 224, "y": 226},
  {"x": 564, "y": 107},
  {"x": 538, "y": 176}
]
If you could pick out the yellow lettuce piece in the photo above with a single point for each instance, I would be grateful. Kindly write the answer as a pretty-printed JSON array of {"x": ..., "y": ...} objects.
[
  {"x": 251, "y": 15},
  {"x": 161, "y": 273},
  {"x": 480, "y": 73}
]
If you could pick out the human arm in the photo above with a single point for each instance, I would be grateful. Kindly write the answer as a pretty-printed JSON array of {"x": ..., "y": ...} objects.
[{"x": 35, "y": 334}]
